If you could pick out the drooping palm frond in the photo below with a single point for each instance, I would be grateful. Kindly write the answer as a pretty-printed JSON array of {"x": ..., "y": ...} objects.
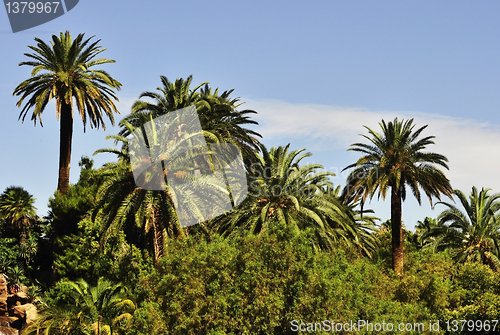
[
  {"x": 281, "y": 191},
  {"x": 121, "y": 201},
  {"x": 472, "y": 234}
]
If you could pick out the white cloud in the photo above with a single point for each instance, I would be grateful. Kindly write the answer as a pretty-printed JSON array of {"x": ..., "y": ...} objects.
[{"x": 471, "y": 147}]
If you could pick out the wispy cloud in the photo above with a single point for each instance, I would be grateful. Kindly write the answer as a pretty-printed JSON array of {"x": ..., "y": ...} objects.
[{"x": 472, "y": 147}]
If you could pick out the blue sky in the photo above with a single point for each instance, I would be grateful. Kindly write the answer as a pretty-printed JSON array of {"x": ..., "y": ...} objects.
[{"x": 315, "y": 71}]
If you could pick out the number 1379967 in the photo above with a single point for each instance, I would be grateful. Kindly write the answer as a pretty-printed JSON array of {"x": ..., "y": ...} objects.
[
  {"x": 32, "y": 7},
  {"x": 471, "y": 325}
]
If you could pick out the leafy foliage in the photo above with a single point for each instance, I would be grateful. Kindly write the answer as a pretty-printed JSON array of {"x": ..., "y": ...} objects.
[
  {"x": 473, "y": 235},
  {"x": 258, "y": 285},
  {"x": 81, "y": 256},
  {"x": 101, "y": 309}
]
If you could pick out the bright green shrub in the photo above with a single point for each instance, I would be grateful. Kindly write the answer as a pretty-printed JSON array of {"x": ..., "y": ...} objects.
[
  {"x": 427, "y": 279},
  {"x": 476, "y": 294},
  {"x": 81, "y": 256},
  {"x": 260, "y": 284}
]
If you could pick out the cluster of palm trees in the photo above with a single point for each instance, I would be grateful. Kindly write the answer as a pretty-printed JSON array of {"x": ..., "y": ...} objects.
[{"x": 281, "y": 190}]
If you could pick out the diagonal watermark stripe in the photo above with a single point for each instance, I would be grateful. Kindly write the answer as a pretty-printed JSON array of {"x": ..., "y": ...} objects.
[{"x": 204, "y": 180}]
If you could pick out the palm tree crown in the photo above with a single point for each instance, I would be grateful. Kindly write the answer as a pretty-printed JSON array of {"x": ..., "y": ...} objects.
[
  {"x": 17, "y": 209},
  {"x": 218, "y": 113},
  {"x": 299, "y": 197},
  {"x": 99, "y": 310},
  {"x": 473, "y": 234},
  {"x": 64, "y": 71},
  {"x": 395, "y": 159}
]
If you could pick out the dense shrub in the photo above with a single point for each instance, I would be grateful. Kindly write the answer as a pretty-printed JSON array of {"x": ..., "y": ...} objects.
[
  {"x": 82, "y": 256},
  {"x": 427, "y": 279},
  {"x": 476, "y": 294},
  {"x": 260, "y": 284}
]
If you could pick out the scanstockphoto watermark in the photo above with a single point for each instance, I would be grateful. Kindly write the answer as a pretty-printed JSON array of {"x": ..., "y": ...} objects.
[
  {"x": 28, "y": 14},
  {"x": 362, "y": 325}
]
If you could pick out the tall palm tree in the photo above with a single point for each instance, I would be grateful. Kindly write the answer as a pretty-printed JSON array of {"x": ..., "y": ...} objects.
[
  {"x": 17, "y": 209},
  {"x": 473, "y": 234},
  {"x": 97, "y": 310},
  {"x": 394, "y": 160},
  {"x": 64, "y": 71}
]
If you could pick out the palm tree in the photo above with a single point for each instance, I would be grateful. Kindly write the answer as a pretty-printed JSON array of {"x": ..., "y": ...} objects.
[
  {"x": 120, "y": 202},
  {"x": 97, "y": 310},
  {"x": 297, "y": 197},
  {"x": 124, "y": 199},
  {"x": 394, "y": 160},
  {"x": 68, "y": 77},
  {"x": 17, "y": 210},
  {"x": 218, "y": 113},
  {"x": 473, "y": 234},
  {"x": 174, "y": 95},
  {"x": 424, "y": 236}
]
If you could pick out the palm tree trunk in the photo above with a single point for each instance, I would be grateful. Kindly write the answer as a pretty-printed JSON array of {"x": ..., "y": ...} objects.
[
  {"x": 22, "y": 237},
  {"x": 156, "y": 248},
  {"x": 66, "y": 135},
  {"x": 157, "y": 237},
  {"x": 397, "y": 231}
]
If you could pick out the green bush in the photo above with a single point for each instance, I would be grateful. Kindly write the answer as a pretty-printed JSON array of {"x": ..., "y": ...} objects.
[
  {"x": 260, "y": 284},
  {"x": 81, "y": 256},
  {"x": 427, "y": 279},
  {"x": 476, "y": 294}
]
